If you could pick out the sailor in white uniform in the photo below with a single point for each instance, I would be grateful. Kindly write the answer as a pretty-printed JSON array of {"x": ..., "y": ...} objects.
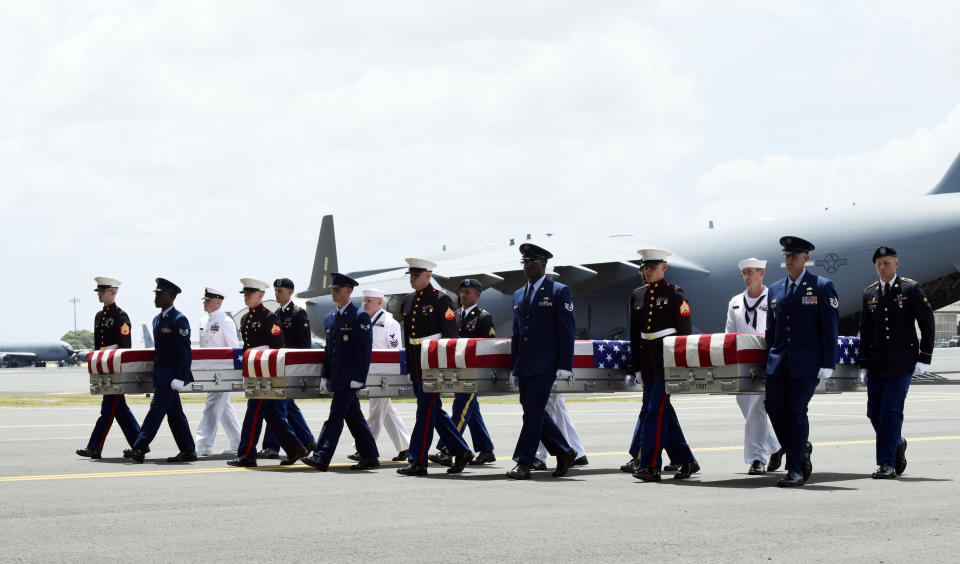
[
  {"x": 747, "y": 313},
  {"x": 220, "y": 332},
  {"x": 557, "y": 408},
  {"x": 386, "y": 335}
]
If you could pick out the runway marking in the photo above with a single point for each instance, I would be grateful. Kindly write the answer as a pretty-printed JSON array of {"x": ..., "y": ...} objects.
[{"x": 177, "y": 472}]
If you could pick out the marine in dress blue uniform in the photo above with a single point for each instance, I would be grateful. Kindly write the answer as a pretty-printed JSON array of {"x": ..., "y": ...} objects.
[
  {"x": 171, "y": 373},
  {"x": 891, "y": 354},
  {"x": 261, "y": 330},
  {"x": 428, "y": 314},
  {"x": 111, "y": 329},
  {"x": 346, "y": 361},
  {"x": 801, "y": 336},
  {"x": 657, "y": 309},
  {"x": 541, "y": 349},
  {"x": 296, "y": 335},
  {"x": 472, "y": 322}
]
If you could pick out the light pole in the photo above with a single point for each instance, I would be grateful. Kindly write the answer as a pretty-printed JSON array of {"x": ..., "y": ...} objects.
[{"x": 75, "y": 301}]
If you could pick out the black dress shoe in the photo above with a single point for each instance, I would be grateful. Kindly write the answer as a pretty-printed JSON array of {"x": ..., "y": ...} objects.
[
  {"x": 127, "y": 452},
  {"x": 776, "y": 459},
  {"x": 290, "y": 460},
  {"x": 807, "y": 463},
  {"x": 519, "y": 472},
  {"x": 582, "y": 461},
  {"x": 242, "y": 462},
  {"x": 366, "y": 464},
  {"x": 564, "y": 462},
  {"x": 483, "y": 457},
  {"x": 137, "y": 455},
  {"x": 631, "y": 467},
  {"x": 647, "y": 474},
  {"x": 401, "y": 456},
  {"x": 539, "y": 465},
  {"x": 89, "y": 453},
  {"x": 355, "y": 456},
  {"x": 183, "y": 456},
  {"x": 672, "y": 467},
  {"x": 443, "y": 458},
  {"x": 686, "y": 470},
  {"x": 791, "y": 480},
  {"x": 315, "y": 461},
  {"x": 757, "y": 468},
  {"x": 268, "y": 454},
  {"x": 460, "y": 463},
  {"x": 901, "y": 458},
  {"x": 413, "y": 469},
  {"x": 885, "y": 472}
]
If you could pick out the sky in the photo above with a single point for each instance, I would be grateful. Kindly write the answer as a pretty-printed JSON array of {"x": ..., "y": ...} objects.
[{"x": 203, "y": 141}]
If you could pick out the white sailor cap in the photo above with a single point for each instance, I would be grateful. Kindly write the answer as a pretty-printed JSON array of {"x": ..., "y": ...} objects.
[
  {"x": 654, "y": 256},
  {"x": 752, "y": 263},
  {"x": 251, "y": 285},
  {"x": 373, "y": 293},
  {"x": 210, "y": 293},
  {"x": 418, "y": 265},
  {"x": 104, "y": 283}
]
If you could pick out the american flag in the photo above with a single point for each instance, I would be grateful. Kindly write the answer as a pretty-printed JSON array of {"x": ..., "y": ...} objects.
[
  {"x": 611, "y": 354},
  {"x": 848, "y": 350}
]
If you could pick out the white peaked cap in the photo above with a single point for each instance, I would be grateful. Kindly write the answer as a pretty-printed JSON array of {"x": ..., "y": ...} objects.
[
  {"x": 104, "y": 281},
  {"x": 752, "y": 263},
  {"x": 421, "y": 263},
  {"x": 373, "y": 293},
  {"x": 654, "y": 254},
  {"x": 210, "y": 292},
  {"x": 254, "y": 283}
]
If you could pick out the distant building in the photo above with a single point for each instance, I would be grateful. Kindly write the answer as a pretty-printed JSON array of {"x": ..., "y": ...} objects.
[{"x": 947, "y": 319}]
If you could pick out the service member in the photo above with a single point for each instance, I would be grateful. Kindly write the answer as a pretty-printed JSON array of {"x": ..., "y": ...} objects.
[
  {"x": 658, "y": 309},
  {"x": 261, "y": 330},
  {"x": 428, "y": 314},
  {"x": 890, "y": 354},
  {"x": 747, "y": 313},
  {"x": 476, "y": 322},
  {"x": 801, "y": 335},
  {"x": 386, "y": 335},
  {"x": 220, "y": 332},
  {"x": 346, "y": 361},
  {"x": 296, "y": 335},
  {"x": 111, "y": 330},
  {"x": 541, "y": 350},
  {"x": 171, "y": 373}
]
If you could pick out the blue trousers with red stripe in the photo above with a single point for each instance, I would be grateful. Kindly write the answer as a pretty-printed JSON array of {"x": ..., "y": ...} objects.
[
  {"x": 430, "y": 416},
  {"x": 786, "y": 400},
  {"x": 660, "y": 429},
  {"x": 885, "y": 399},
  {"x": 258, "y": 411},
  {"x": 345, "y": 408},
  {"x": 295, "y": 418},
  {"x": 466, "y": 414},
  {"x": 113, "y": 407},
  {"x": 538, "y": 426},
  {"x": 165, "y": 403}
]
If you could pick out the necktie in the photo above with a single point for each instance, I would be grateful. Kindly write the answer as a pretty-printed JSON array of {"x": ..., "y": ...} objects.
[
  {"x": 338, "y": 315},
  {"x": 886, "y": 289},
  {"x": 793, "y": 285},
  {"x": 747, "y": 310},
  {"x": 526, "y": 294}
]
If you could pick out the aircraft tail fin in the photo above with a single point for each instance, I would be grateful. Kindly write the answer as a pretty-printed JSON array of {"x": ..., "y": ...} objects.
[
  {"x": 324, "y": 262},
  {"x": 147, "y": 337},
  {"x": 950, "y": 183}
]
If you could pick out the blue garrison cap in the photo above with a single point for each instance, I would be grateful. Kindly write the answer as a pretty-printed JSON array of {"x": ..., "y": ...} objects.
[
  {"x": 793, "y": 245},
  {"x": 283, "y": 283},
  {"x": 531, "y": 251},
  {"x": 884, "y": 252},
  {"x": 472, "y": 283},
  {"x": 342, "y": 281},
  {"x": 164, "y": 285}
]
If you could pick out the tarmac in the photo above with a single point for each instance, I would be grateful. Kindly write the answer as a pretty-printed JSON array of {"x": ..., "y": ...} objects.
[{"x": 60, "y": 507}]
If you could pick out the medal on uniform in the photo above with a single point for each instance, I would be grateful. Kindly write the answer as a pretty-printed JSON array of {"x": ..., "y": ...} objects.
[{"x": 346, "y": 338}]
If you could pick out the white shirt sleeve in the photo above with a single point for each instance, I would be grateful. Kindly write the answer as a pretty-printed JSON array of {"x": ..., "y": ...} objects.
[
  {"x": 731, "y": 316},
  {"x": 228, "y": 332},
  {"x": 392, "y": 330}
]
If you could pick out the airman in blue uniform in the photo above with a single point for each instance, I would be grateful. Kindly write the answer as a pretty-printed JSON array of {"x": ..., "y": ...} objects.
[
  {"x": 111, "y": 329},
  {"x": 801, "y": 336},
  {"x": 890, "y": 355},
  {"x": 541, "y": 348},
  {"x": 171, "y": 373},
  {"x": 346, "y": 361}
]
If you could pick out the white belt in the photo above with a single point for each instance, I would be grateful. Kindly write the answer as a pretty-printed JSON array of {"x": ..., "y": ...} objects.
[
  {"x": 659, "y": 334},
  {"x": 415, "y": 341}
]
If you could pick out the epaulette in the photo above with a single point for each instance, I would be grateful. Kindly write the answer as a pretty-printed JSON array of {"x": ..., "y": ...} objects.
[
  {"x": 872, "y": 285},
  {"x": 910, "y": 280}
]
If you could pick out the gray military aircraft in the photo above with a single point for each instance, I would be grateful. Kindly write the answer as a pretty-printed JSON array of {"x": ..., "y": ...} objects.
[
  {"x": 602, "y": 271},
  {"x": 13, "y": 355}
]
